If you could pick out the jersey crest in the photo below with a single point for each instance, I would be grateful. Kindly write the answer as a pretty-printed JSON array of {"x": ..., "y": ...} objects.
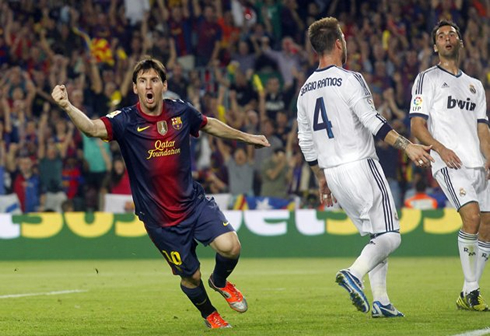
[
  {"x": 177, "y": 123},
  {"x": 472, "y": 89}
]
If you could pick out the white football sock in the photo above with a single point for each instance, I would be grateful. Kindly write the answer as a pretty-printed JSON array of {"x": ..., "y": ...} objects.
[
  {"x": 482, "y": 258},
  {"x": 377, "y": 279},
  {"x": 377, "y": 250},
  {"x": 467, "y": 244}
]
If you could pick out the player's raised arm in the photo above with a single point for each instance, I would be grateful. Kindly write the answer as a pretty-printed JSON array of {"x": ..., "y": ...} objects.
[
  {"x": 91, "y": 128},
  {"x": 221, "y": 130}
]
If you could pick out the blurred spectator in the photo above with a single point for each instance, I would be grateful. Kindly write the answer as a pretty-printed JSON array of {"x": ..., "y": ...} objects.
[
  {"x": 162, "y": 48},
  {"x": 136, "y": 11},
  {"x": 209, "y": 36},
  {"x": 282, "y": 127},
  {"x": 239, "y": 165},
  {"x": 272, "y": 100},
  {"x": 275, "y": 175},
  {"x": 3, "y": 171},
  {"x": 246, "y": 96},
  {"x": 287, "y": 59},
  {"x": 244, "y": 14},
  {"x": 98, "y": 163},
  {"x": 27, "y": 186},
  {"x": 302, "y": 180},
  {"x": 72, "y": 178},
  {"x": 117, "y": 181},
  {"x": 50, "y": 166},
  {"x": 244, "y": 58},
  {"x": 262, "y": 154},
  {"x": 292, "y": 24},
  {"x": 180, "y": 27},
  {"x": 270, "y": 16},
  {"x": 421, "y": 200},
  {"x": 177, "y": 81}
]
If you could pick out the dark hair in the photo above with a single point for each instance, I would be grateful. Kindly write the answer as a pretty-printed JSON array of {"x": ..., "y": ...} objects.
[
  {"x": 420, "y": 186},
  {"x": 323, "y": 33},
  {"x": 443, "y": 23},
  {"x": 149, "y": 63}
]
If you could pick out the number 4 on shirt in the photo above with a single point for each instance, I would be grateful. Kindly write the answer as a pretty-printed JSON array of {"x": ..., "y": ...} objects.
[{"x": 326, "y": 124}]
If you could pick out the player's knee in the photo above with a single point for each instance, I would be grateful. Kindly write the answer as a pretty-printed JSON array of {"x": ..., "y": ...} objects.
[
  {"x": 191, "y": 281},
  {"x": 227, "y": 245},
  {"x": 231, "y": 250},
  {"x": 484, "y": 229},
  {"x": 235, "y": 250},
  {"x": 390, "y": 240},
  {"x": 471, "y": 222}
]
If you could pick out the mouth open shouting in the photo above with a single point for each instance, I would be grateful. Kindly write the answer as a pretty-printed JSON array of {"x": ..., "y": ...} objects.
[{"x": 150, "y": 98}]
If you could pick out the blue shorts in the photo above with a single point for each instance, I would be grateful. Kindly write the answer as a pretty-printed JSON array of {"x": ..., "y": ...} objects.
[{"x": 178, "y": 243}]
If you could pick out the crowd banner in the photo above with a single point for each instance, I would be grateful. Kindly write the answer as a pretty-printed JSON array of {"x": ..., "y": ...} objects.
[{"x": 263, "y": 233}]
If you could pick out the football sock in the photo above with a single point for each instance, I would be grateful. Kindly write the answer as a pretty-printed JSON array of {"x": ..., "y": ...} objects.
[
  {"x": 377, "y": 279},
  {"x": 482, "y": 258},
  {"x": 200, "y": 299},
  {"x": 222, "y": 269},
  {"x": 377, "y": 250},
  {"x": 467, "y": 244}
]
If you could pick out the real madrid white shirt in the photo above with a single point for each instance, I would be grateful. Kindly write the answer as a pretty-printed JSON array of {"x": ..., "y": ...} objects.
[
  {"x": 337, "y": 118},
  {"x": 453, "y": 105}
]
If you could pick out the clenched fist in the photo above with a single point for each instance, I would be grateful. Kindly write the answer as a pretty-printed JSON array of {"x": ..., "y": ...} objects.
[{"x": 60, "y": 96}]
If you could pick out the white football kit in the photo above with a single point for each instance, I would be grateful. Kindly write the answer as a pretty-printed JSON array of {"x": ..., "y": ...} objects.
[
  {"x": 453, "y": 105},
  {"x": 336, "y": 123}
]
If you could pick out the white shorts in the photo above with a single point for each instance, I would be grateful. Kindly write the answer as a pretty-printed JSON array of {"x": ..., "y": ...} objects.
[
  {"x": 363, "y": 192},
  {"x": 465, "y": 185}
]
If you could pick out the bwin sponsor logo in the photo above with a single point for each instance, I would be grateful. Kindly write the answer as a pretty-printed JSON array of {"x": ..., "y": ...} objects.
[{"x": 462, "y": 104}]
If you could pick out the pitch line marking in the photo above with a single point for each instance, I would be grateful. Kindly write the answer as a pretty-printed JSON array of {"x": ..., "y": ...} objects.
[
  {"x": 480, "y": 332},
  {"x": 46, "y": 293}
]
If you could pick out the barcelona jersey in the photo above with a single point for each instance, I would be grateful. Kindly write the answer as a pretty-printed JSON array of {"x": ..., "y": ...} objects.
[{"x": 157, "y": 153}]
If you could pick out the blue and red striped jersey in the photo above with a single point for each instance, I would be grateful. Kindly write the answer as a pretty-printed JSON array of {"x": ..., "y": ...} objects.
[{"x": 157, "y": 153}]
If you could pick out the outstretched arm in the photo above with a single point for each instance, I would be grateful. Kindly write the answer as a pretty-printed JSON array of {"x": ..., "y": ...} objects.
[
  {"x": 91, "y": 128},
  {"x": 221, "y": 130},
  {"x": 417, "y": 153}
]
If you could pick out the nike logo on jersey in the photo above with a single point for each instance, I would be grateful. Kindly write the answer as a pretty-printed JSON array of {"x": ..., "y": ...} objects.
[
  {"x": 141, "y": 129},
  {"x": 226, "y": 223}
]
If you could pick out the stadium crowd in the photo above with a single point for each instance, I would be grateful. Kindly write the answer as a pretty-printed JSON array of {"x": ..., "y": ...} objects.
[{"x": 242, "y": 61}]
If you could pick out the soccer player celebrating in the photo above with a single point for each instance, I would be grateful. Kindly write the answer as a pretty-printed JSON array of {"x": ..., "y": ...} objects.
[
  {"x": 448, "y": 112},
  {"x": 336, "y": 123},
  {"x": 154, "y": 138}
]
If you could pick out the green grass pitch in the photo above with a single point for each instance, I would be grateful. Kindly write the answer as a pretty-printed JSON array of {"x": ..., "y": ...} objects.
[{"x": 285, "y": 296}]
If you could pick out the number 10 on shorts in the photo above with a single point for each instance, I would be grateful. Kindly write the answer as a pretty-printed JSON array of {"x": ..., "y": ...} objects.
[{"x": 173, "y": 257}]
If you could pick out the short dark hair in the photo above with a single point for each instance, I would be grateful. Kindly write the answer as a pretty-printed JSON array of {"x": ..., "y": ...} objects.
[
  {"x": 147, "y": 64},
  {"x": 421, "y": 185},
  {"x": 443, "y": 23},
  {"x": 323, "y": 33}
]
